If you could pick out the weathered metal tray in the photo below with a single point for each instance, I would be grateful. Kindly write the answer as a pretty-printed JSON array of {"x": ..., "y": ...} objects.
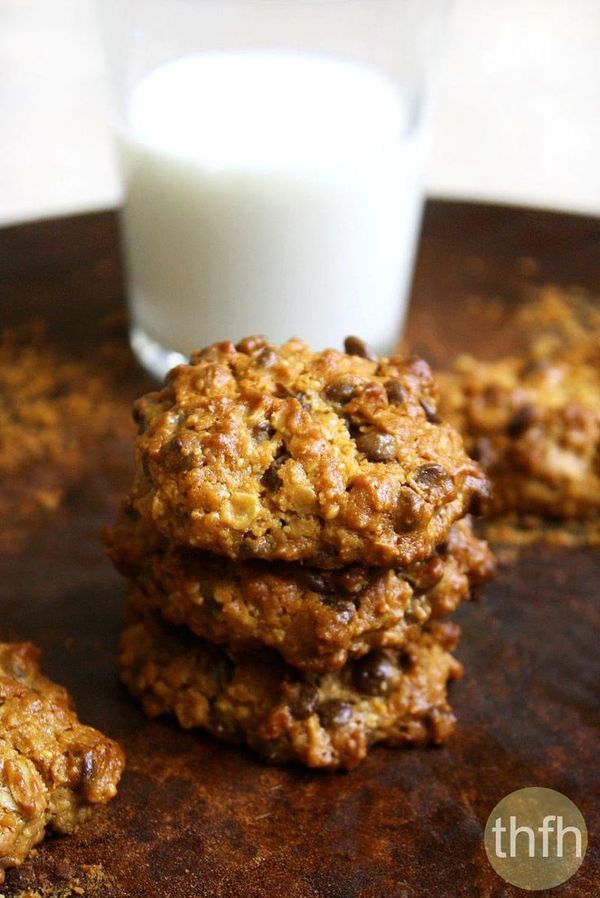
[{"x": 198, "y": 818}]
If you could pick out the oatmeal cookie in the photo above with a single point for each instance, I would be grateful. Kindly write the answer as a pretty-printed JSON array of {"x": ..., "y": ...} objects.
[
  {"x": 397, "y": 697},
  {"x": 280, "y": 453},
  {"x": 52, "y": 768},
  {"x": 535, "y": 428},
  {"x": 316, "y": 619}
]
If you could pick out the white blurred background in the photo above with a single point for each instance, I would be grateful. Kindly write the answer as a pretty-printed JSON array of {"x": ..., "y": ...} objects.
[{"x": 518, "y": 110}]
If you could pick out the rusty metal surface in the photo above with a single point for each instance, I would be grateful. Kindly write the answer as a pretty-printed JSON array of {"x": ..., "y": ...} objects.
[{"x": 198, "y": 818}]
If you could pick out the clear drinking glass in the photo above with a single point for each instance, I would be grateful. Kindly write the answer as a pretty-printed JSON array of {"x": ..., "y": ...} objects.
[{"x": 271, "y": 157}]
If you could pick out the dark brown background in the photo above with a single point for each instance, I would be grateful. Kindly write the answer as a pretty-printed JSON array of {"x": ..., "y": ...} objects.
[{"x": 199, "y": 818}]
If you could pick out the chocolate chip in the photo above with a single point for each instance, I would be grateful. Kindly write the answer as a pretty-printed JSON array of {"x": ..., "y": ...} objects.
[
  {"x": 262, "y": 432},
  {"x": 356, "y": 346},
  {"x": 179, "y": 452},
  {"x": 395, "y": 392},
  {"x": 521, "y": 420},
  {"x": 316, "y": 581},
  {"x": 88, "y": 769},
  {"x": 431, "y": 475},
  {"x": 344, "y": 609},
  {"x": 256, "y": 547},
  {"x": 304, "y": 401},
  {"x": 493, "y": 394},
  {"x": 374, "y": 674},
  {"x": 341, "y": 391},
  {"x": 266, "y": 358},
  {"x": 377, "y": 446},
  {"x": 479, "y": 498},
  {"x": 335, "y": 713},
  {"x": 425, "y": 574},
  {"x": 304, "y": 702},
  {"x": 137, "y": 413},
  {"x": 412, "y": 511},
  {"x": 209, "y": 605},
  {"x": 406, "y": 661},
  {"x": 260, "y": 548},
  {"x": 430, "y": 412},
  {"x": 271, "y": 479},
  {"x": 225, "y": 669},
  {"x": 353, "y": 579},
  {"x": 436, "y": 484},
  {"x": 536, "y": 366},
  {"x": 250, "y": 344},
  {"x": 413, "y": 365}
]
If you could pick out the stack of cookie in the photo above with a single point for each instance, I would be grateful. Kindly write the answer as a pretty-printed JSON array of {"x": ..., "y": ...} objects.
[{"x": 297, "y": 531}]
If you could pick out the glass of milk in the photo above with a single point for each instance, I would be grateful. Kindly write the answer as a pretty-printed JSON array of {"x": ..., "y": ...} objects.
[{"x": 271, "y": 157}]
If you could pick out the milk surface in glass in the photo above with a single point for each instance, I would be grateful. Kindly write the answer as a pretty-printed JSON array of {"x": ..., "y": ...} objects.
[{"x": 268, "y": 192}]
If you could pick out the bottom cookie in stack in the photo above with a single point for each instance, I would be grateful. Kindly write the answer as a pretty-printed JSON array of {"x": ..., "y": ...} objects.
[{"x": 395, "y": 696}]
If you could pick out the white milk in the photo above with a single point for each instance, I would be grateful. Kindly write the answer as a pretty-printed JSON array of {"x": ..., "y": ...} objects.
[{"x": 273, "y": 193}]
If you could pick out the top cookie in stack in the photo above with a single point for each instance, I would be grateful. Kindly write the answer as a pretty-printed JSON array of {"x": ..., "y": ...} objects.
[
  {"x": 296, "y": 530},
  {"x": 329, "y": 458}
]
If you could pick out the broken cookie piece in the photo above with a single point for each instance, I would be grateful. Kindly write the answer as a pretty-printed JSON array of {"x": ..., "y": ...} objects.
[{"x": 52, "y": 767}]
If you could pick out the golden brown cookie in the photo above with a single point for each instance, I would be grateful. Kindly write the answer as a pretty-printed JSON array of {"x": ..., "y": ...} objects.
[
  {"x": 52, "y": 768},
  {"x": 316, "y": 619},
  {"x": 535, "y": 428},
  {"x": 280, "y": 453},
  {"x": 330, "y": 721}
]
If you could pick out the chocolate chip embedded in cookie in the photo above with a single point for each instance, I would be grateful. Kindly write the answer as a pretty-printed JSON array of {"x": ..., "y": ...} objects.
[
  {"x": 280, "y": 453},
  {"x": 52, "y": 768},
  {"x": 328, "y": 721},
  {"x": 316, "y": 619}
]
